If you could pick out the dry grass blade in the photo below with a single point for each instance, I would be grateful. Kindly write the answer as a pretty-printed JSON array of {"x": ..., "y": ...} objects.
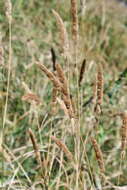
[
  {"x": 35, "y": 146},
  {"x": 26, "y": 88},
  {"x": 74, "y": 20},
  {"x": 120, "y": 188},
  {"x": 82, "y": 70},
  {"x": 99, "y": 155},
  {"x": 63, "y": 147},
  {"x": 5, "y": 154},
  {"x": 82, "y": 7}
]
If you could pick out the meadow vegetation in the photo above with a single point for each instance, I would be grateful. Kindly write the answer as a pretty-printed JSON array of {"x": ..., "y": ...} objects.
[{"x": 63, "y": 95}]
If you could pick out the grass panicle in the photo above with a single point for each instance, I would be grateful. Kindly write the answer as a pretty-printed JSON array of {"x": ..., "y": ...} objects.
[
  {"x": 74, "y": 13},
  {"x": 50, "y": 75},
  {"x": 54, "y": 100},
  {"x": 82, "y": 70},
  {"x": 35, "y": 147},
  {"x": 61, "y": 76},
  {"x": 63, "y": 147},
  {"x": 99, "y": 155},
  {"x": 63, "y": 107},
  {"x": 53, "y": 58},
  {"x": 48, "y": 120},
  {"x": 30, "y": 97},
  {"x": 99, "y": 88},
  {"x": 63, "y": 33},
  {"x": 60, "y": 83},
  {"x": 65, "y": 90}
]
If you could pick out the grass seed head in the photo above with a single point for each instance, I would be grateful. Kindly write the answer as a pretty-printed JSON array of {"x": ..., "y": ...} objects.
[
  {"x": 63, "y": 33},
  {"x": 74, "y": 14},
  {"x": 99, "y": 89},
  {"x": 30, "y": 97},
  {"x": 63, "y": 147},
  {"x": 99, "y": 155},
  {"x": 50, "y": 75},
  {"x": 8, "y": 6},
  {"x": 35, "y": 146},
  {"x": 82, "y": 70}
]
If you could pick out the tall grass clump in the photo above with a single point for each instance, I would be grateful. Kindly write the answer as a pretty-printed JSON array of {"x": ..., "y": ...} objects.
[{"x": 63, "y": 95}]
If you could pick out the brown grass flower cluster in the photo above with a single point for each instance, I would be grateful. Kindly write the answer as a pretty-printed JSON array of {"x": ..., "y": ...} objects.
[
  {"x": 99, "y": 155},
  {"x": 35, "y": 147},
  {"x": 74, "y": 14},
  {"x": 99, "y": 89},
  {"x": 63, "y": 33},
  {"x": 30, "y": 97},
  {"x": 82, "y": 70},
  {"x": 59, "y": 84},
  {"x": 63, "y": 147}
]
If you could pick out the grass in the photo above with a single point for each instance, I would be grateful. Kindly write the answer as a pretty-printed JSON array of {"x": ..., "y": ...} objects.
[{"x": 46, "y": 147}]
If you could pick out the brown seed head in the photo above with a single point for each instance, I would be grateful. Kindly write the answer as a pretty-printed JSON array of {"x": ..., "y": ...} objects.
[
  {"x": 54, "y": 100},
  {"x": 99, "y": 155},
  {"x": 35, "y": 146},
  {"x": 50, "y": 75},
  {"x": 100, "y": 84},
  {"x": 99, "y": 90},
  {"x": 82, "y": 70},
  {"x": 30, "y": 97},
  {"x": 63, "y": 32},
  {"x": 63, "y": 147},
  {"x": 74, "y": 20}
]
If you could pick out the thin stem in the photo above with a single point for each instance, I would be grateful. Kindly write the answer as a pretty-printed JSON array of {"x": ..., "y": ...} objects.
[{"x": 8, "y": 82}]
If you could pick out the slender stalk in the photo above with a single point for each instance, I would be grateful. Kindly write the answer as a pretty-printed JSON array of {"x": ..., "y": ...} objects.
[{"x": 8, "y": 14}]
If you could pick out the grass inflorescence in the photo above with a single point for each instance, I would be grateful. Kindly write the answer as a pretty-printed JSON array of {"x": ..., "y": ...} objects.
[{"x": 63, "y": 83}]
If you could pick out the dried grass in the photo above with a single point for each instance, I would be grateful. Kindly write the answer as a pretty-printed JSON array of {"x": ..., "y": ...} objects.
[
  {"x": 36, "y": 147},
  {"x": 99, "y": 155},
  {"x": 82, "y": 70},
  {"x": 123, "y": 134},
  {"x": 74, "y": 14},
  {"x": 63, "y": 33},
  {"x": 99, "y": 87},
  {"x": 63, "y": 147}
]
